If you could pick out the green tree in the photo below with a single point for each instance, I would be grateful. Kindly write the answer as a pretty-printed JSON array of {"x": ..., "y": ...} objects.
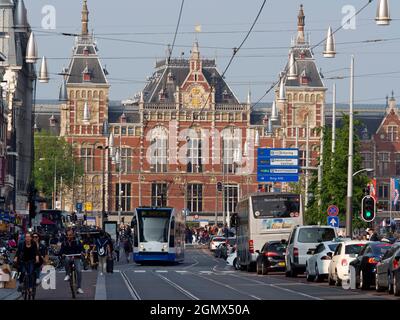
[
  {"x": 334, "y": 177},
  {"x": 54, "y": 153}
]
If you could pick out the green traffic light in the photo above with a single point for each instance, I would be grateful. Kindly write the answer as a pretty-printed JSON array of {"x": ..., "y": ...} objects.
[{"x": 368, "y": 214}]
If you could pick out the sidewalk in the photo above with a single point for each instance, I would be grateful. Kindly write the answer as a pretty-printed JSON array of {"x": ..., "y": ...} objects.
[{"x": 9, "y": 294}]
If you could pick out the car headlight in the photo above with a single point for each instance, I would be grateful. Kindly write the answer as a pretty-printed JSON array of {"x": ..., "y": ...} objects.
[{"x": 141, "y": 247}]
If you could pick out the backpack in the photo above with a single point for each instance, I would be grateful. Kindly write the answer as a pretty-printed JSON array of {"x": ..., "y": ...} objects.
[{"x": 102, "y": 247}]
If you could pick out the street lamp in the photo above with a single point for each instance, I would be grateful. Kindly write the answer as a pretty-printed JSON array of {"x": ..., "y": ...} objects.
[
  {"x": 383, "y": 19},
  {"x": 103, "y": 210},
  {"x": 362, "y": 170}
]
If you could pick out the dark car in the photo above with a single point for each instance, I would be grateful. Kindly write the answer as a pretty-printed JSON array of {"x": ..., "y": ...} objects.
[
  {"x": 225, "y": 248},
  {"x": 271, "y": 257},
  {"x": 365, "y": 263},
  {"x": 388, "y": 271}
]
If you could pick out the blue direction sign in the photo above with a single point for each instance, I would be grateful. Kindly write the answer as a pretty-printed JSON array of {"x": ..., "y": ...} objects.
[
  {"x": 79, "y": 206},
  {"x": 333, "y": 222},
  {"x": 277, "y": 165}
]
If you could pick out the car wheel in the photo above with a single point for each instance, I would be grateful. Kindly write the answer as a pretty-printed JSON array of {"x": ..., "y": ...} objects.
[
  {"x": 396, "y": 288},
  {"x": 378, "y": 288},
  {"x": 390, "y": 284},
  {"x": 308, "y": 276},
  {"x": 318, "y": 277},
  {"x": 331, "y": 282},
  {"x": 236, "y": 264},
  {"x": 264, "y": 269},
  {"x": 258, "y": 268}
]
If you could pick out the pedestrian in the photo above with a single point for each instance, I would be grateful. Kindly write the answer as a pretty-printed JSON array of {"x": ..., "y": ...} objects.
[
  {"x": 373, "y": 236},
  {"x": 127, "y": 249},
  {"x": 103, "y": 250},
  {"x": 117, "y": 248}
]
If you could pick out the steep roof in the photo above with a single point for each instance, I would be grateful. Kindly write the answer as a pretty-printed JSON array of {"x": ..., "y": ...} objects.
[
  {"x": 170, "y": 75},
  {"x": 80, "y": 61}
]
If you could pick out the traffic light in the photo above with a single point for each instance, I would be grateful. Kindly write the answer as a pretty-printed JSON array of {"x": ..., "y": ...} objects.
[{"x": 368, "y": 209}]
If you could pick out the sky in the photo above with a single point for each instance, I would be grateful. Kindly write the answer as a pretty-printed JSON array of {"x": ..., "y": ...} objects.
[{"x": 120, "y": 24}]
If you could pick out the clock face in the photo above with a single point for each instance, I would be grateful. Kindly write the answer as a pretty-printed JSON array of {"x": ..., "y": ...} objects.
[
  {"x": 195, "y": 97},
  {"x": 300, "y": 116}
]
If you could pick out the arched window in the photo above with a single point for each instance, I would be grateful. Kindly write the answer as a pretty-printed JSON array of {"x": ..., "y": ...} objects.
[
  {"x": 289, "y": 96},
  {"x": 89, "y": 95},
  {"x": 78, "y": 94},
  {"x": 87, "y": 156},
  {"x": 83, "y": 94},
  {"x": 295, "y": 97},
  {"x": 307, "y": 98},
  {"x": 71, "y": 94},
  {"x": 194, "y": 152},
  {"x": 95, "y": 95},
  {"x": 231, "y": 149},
  {"x": 101, "y": 95},
  {"x": 301, "y": 98},
  {"x": 313, "y": 98},
  {"x": 159, "y": 149}
]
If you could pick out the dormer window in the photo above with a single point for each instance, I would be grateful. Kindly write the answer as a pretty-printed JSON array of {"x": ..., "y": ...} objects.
[
  {"x": 170, "y": 77},
  {"x": 304, "y": 79},
  {"x": 302, "y": 54},
  {"x": 225, "y": 95},
  {"x": 162, "y": 95},
  {"x": 86, "y": 51},
  {"x": 87, "y": 77}
]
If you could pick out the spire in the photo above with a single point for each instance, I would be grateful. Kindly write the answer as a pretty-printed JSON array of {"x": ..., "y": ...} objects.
[
  {"x": 391, "y": 104},
  {"x": 21, "y": 20},
  {"x": 300, "y": 26},
  {"x": 85, "y": 19},
  {"x": 249, "y": 97},
  {"x": 292, "y": 75},
  {"x": 195, "y": 51}
]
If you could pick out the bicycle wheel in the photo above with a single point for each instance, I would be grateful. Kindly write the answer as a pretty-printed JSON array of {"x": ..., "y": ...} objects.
[{"x": 73, "y": 284}]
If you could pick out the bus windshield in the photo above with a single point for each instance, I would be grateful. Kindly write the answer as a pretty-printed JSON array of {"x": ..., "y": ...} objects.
[
  {"x": 153, "y": 225},
  {"x": 276, "y": 207}
]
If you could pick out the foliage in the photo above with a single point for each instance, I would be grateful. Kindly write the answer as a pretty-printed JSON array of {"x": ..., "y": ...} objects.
[
  {"x": 334, "y": 177},
  {"x": 54, "y": 156}
]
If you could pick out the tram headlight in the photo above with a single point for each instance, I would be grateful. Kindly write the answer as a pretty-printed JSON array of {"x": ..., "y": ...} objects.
[
  {"x": 164, "y": 247},
  {"x": 257, "y": 213},
  {"x": 141, "y": 247}
]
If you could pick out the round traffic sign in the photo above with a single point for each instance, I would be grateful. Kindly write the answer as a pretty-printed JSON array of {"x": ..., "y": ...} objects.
[
  {"x": 196, "y": 217},
  {"x": 333, "y": 211}
]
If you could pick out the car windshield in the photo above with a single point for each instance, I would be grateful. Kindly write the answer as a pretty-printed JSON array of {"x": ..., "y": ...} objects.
[
  {"x": 380, "y": 249},
  {"x": 276, "y": 207},
  {"x": 218, "y": 239},
  {"x": 277, "y": 247},
  {"x": 333, "y": 247},
  {"x": 354, "y": 248},
  {"x": 315, "y": 235},
  {"x": 154, "y": 225}
]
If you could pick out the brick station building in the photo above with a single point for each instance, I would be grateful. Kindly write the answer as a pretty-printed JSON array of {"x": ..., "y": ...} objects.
[{"x": 185, "y": 132}]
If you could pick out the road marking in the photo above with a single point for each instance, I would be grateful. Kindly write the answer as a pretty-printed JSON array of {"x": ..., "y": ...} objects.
[
  {"x": 139, "y": 271},
  {"x": 277, "y": 287},
  {"x": 179, "y": 288},
  {"x": 232, "y": 288},
  {"x": 101, "y": 293},
  {"x": 131, "y": 289},
  {"x": 181, "y": 271},
  {"x": 206, "y": 272},
  {"x": 161, "y": 271},
  {"x": 193, "y": 264}
]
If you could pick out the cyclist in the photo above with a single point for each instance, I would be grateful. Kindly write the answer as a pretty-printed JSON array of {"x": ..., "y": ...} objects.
[
  {"x": 43, "y": 254},
  {"x": 73, "y": 246},
  {"x": 27, "y": 255}
]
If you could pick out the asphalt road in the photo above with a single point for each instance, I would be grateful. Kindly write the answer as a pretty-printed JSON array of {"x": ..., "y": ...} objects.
[{"x": 200, "y": 277}]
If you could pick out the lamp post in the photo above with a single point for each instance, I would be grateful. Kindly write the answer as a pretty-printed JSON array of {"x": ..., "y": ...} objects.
[
  {"x": 103, "y": 206},
  {"x": 362, "y": 170},
  {"x": 382, "y": 19}
]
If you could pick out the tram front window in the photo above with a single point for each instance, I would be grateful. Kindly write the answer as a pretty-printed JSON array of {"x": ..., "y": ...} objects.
[{"x": 153, "y": 225}]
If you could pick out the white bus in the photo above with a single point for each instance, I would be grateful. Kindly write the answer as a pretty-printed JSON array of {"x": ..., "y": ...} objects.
[
  {"x": 263, "y": 217},
  {"x": 158, "y": 235}
]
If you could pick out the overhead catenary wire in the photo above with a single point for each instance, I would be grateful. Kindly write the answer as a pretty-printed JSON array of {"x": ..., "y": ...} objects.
[
  {"x": 311, "y": 49},
  {"x": 235, "y": 51}
]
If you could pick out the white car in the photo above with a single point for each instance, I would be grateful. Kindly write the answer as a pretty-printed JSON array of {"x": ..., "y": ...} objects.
[
  {"x": 318, "y": 263},
  {"x": 233, "y": 261},
  {"x": 301, "y": 239},
  {"x": 216, "y": 241},
  {"x": 345, "y": 253}
]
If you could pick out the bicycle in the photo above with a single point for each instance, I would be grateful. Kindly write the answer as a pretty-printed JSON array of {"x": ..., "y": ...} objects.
[
  {"x": 27, "y": 292},
  {"x": 73, "y": 276}
]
